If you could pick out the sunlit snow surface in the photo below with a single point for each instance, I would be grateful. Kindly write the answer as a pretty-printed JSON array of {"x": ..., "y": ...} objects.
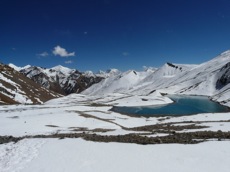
[
  {"x": 63, "y": 114},
  {"x": 71, "y": 155},
  {"x": 171, "y": 79},
  {"x": 91, "y": 111}
]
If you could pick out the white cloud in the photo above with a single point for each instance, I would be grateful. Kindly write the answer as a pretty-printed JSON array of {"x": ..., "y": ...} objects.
[
  {"x": 59, "y": 51},
  {"x": 44, "y": 54},
  {"x": 68, "y": 62}
]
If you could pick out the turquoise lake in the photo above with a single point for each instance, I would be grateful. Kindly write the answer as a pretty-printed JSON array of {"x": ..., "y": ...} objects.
[{"x": 183, "y": 105}]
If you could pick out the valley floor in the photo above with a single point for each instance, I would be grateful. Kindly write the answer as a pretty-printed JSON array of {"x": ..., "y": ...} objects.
[{"x": 80, "y": 133}]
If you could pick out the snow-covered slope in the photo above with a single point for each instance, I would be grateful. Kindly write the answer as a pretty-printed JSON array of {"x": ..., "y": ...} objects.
[
  {"x": 197, "y": 80},
  {"x": 119, "y": 82},
  {"x": 18, "y": 68},
  {"x": 61, "y": 79},
  {"x": 210, "y": 79},
  {"x": 62, "y": 135},
  {"x": 131, "y": 80},
  {"x": 16, "y": 88}
]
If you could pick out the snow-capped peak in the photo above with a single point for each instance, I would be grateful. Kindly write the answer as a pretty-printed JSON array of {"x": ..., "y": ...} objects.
[
  {"x": 149, "y": 69},
  {"x": 113, "y": 71},
  {"x": 89, "y": 73},
  {"x": 205, "y": 79},
  {"x": 17, "y": 68},
  {"x": 225, "y": 55},
  {"x": 108, "y": 73},
  {"x": 62, "y": 69}
]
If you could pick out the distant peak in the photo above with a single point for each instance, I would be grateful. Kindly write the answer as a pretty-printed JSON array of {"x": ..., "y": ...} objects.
[
  {"x": 108, "y": 73},
  {"x": 58, "y": 67},
  {"x": 225, "y": 53},
  {"x": 18, "y": 68},
  {"x": 12, "y": 65},
  {"x": 62, "y": 69},
  {"x": 88, "y": 72},
  {"x": 223, "y": 56},
  {"x": 149, "y": 69},
  {"x": 100, "y": 72},
  {"x": 27, "y": 66},
  {"x": 112, "y": 71}
]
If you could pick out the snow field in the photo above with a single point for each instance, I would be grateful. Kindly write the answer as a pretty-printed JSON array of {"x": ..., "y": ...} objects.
[{"x": 70, "y": 155}]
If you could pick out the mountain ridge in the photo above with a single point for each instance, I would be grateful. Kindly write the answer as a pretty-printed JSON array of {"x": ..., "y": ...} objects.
[
  {"x": 15, "y": 88},
  {"x": 61, "y": 79},
  {"x": 210, "y": 78}
]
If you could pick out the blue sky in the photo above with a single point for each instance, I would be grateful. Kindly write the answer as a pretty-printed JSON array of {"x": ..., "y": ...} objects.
[{"x": 122, "y": 34}]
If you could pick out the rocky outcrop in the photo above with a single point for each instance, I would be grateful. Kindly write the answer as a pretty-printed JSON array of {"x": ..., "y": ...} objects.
[
  {"x": 15, "y": 88},
  {"x": 224, "y": 77},
  {"x": 61, "y": 79}
]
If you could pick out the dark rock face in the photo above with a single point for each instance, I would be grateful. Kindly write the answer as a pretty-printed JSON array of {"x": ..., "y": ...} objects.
[
  {"x": 72, "y": 81},
  {"x": 15, "y": 88},
  {"x": 174, "y": 66},
  {"x": 80, "y": 84},
  {"x": 224, "y": 78}
]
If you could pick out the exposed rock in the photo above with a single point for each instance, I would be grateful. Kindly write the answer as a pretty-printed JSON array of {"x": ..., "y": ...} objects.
[
  {"x": 61, "y": 79},
  {"x": 15, "y": 88},
  {"x": 224, "y": 77}
]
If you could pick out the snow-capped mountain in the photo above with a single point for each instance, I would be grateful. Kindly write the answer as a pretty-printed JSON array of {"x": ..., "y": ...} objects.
[
  {"x": 211, "y": 78},
  {"x": 16, "y": 88},
  {"x": 18, "y": 68},
  {"x": 108, "y": 73},
  {"x": 61, "y": 79},
  {"x": 118, "y": 82}
]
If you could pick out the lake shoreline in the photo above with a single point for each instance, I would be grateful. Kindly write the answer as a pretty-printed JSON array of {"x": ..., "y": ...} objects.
[{"x": 177, "y": 108}]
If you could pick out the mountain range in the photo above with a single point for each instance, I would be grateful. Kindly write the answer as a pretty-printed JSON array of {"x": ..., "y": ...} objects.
[
  {"x": 60, "y": 79},
  {"x": 210, "y": 78},
  {"x": 16, "y": 88}
]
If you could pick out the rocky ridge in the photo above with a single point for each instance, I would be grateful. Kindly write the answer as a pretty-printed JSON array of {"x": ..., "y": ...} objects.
[{"x": 16, "y": 88}]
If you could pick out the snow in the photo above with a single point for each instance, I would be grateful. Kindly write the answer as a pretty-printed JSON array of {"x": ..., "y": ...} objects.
[
  {"x": 2, "y": 77},
  {"x": 128, "y": 100},
  {"x": 68, "y": 112},
  {"x": 17, "y": 94},
  {"x": 63, "y": 69},
  {"x": 108, "y": 73},
  {"x": 15, "y": 157},
  {"x": 64, "y": 114},
  {"x": 171, "y": 79},
  {"x": 117, "y": 83},
  {"x": 89, "y": 73},
  {"x": 18, "y": 68},
  {"x": 91, "y": 110},
  {"x": 78, "y": 155}
]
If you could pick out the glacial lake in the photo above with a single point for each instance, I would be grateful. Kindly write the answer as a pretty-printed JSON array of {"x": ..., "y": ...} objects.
[{"x": 183, "y": 105}]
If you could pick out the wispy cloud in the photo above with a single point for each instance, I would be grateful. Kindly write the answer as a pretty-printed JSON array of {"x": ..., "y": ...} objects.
[
  {"x": 125, "y": 54},
  {"x": 68, "y": 62},
  {"x": 59, "y": 51},
  {"x": 44, "y": 54}
]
